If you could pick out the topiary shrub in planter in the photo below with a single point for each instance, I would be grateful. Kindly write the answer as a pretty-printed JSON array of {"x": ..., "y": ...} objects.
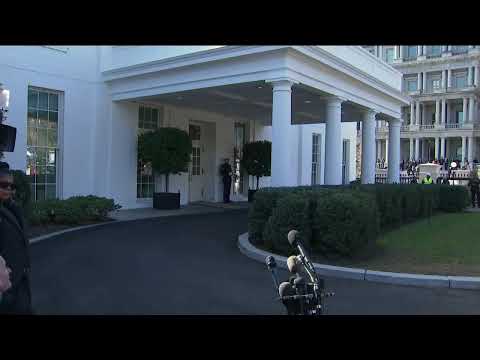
[
  {"x": 256, "y": 160},
  {"x": 169, "y": 152},
  {"x": 344, "y": 223}
]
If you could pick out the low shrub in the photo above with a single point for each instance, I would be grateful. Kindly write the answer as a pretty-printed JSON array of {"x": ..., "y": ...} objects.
[
  {"x": 292, "y": 212},
  {"x": 343, "y": 223},
  {"x": 72, "y": 211},
  {"x": 453, "y": 198},
  {"x": 23, "y": 192}
]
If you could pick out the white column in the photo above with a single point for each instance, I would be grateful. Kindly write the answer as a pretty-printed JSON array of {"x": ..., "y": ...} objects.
[
  {"x": 368, "y": 148},
  {"x": 393, "y": 173},
  {"x": 419, "y": 81},
  {"x": 447, "y": 112},
  {"x": 443, "y": 119},
  {"x": 442, "y": 148},
  {"x": 437, "y": 112},
  {"x": 464, "y": 145},
  {"x": 470, "y": 76},
  {"x": 284, "y": 136},
  {"x": 449, "y": 48},
  {"x": 436, "y": 147},
  {"x": 444, "y": 76},
  {"x": 333, "y": 142},
  {"x": 411, "y": 155},
  {"x": 470, "y": 150},
  {"x": 475, "y": 75},
  {"x": 386, "y": 150},
  {"x": 417, "y": 114},
  {"x": 444, "y": 48},
  {"x": 465, "y": 115},
  {"x": 449, "y": 78},
  {"x": 420, "y": 50},
  {"x": 424, "y": 50},
  {"x": 412, "y": 113},
  {"x": 401, "y": 52},
  {"x": 396, "y": 53},
  {"x": 417, "y": 148},
  {"x": 424, "y": 86},
  {"x": 471, "y": 109}
]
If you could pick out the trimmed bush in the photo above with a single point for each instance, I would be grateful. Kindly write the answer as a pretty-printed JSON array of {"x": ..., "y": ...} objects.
[
  {"x": 344, "y": 223},
  {"x": 344, "y": 219},
  {"x": 292, "y": 212},
  {"x": 73, "y": 211},
  {"x": 453, "y": 198},
  {"x": 23, "y": 192}
]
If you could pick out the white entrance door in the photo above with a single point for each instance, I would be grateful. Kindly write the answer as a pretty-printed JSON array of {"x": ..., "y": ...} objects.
[{"x": 197, "y": 175}]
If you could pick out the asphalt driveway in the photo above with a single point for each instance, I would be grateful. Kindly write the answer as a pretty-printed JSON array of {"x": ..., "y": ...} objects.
[{"x": 191, "y": 265}]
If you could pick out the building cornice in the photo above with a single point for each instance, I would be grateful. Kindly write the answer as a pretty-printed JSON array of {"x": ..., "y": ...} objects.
[{"x": 343, "y": 66}]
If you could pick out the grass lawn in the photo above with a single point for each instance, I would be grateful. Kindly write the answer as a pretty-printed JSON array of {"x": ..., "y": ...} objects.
[{"x": 447, "y": 244}]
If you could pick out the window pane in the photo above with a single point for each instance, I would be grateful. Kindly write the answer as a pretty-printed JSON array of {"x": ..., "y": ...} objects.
[
  {"x": 52, "y": 138},
  {"x": 51, "y": 191},
  {"x": 32, "y": 117},
  {"x": 43, "y": 101},
  {"x": 53, "y": 102},
  {"x": 51, "y": 157},
  {"x": 154, "y": 118},
  {"x": 52, "y": 119},
  {"x": 40, "y": 191},
  {"x": 41, "y": 156},
  {"x": 141, "y": 112},
  {"x": 42, "y": 137},
  {"x": 33, "y": 98},
  {"x": 32, "y": 136},
  {"x": 51, "y": 174},
  {"x": 43, "y": 118},
  {"x": 148, "y": 115}
]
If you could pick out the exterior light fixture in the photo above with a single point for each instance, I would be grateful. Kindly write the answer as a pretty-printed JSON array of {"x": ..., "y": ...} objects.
[
  {"x": 259, "y": 87},
  {"x": 308, "y": 101}
]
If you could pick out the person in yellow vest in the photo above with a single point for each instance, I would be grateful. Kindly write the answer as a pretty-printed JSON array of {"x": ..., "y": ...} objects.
[{"x": 427, "y": 180}]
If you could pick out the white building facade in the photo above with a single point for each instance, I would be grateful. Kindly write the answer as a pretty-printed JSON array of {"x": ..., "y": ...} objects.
[
  {"x": 78, "y": 111},
  {"x": 442, "y": 121}
]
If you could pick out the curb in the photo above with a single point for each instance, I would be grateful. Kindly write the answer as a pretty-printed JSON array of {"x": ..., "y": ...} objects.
[{"x": 431, "y": 281}]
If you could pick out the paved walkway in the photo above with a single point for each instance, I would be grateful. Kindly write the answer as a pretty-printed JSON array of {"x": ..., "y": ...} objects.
[
  {"x": 191, "y": 209},
  {"x": 191, "y": 265}
]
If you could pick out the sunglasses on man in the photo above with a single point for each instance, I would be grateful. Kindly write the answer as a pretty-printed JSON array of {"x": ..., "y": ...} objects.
[{"x": 7, "y": 186}]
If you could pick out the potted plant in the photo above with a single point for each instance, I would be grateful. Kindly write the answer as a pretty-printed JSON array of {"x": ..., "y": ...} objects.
[
  {"x": 256, "y": 161},
  {"x": 169, "y": 152}
]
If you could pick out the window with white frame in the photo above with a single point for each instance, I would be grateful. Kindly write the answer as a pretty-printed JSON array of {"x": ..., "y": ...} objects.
[
  {"x": 42, "y": 142},
  {"x": 411, "y": 84},
  {"x": 459, "y": 116},
  {"x": 434, "y": 51},
  {"x": 458, "y": 49},
  {"x": 389, "y": 53},
  {"x": 435, "y": 81},
  {"x": 411, "y": 52},
  {"x": 316, "y": 158},
  {"x": 149, "y": 119},
  {"x": 459, "y": 80}
]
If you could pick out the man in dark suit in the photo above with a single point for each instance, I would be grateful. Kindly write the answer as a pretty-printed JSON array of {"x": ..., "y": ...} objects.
[{"x": 14, "y": 249}]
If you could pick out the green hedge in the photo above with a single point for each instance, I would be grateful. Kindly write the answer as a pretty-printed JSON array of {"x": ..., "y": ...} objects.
[
  {"x": 72, "y": 211},
  {"x": 342, "y": 219}
]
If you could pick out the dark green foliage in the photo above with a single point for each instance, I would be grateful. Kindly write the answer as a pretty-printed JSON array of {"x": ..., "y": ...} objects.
[
  {"x": 351, "y": 214},
  {"x": 256, "y": 158},
  {"x": 72, "y": 211},
  {"x": 167, "y": 149},
  {"x": 344, "y": 223},
  {"x": 453, "y": 198},
  {"x": 23, "y": 192},
  {"x": 292, "y": 212}
]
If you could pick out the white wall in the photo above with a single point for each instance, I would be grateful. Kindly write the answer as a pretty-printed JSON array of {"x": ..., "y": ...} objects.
[{"x": 75, "y": 74}]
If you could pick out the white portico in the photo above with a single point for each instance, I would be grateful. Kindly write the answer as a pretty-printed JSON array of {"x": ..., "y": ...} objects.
[{"x": 288, "y": 92}]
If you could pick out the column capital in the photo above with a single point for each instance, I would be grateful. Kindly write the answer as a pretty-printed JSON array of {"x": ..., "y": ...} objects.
[
  {"x": 334, "y": 100},
  {"x": 394, "y": 122},
  {"x": 280, "y": 84}
]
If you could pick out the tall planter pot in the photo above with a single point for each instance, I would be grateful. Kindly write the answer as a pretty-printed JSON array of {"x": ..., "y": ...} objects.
[{"x": 166, "y": 201}]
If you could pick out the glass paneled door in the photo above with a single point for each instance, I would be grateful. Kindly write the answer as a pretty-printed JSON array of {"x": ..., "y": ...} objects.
[
  {"x": 238, "y": 178},
  {"x": 197, "y": 172}
]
